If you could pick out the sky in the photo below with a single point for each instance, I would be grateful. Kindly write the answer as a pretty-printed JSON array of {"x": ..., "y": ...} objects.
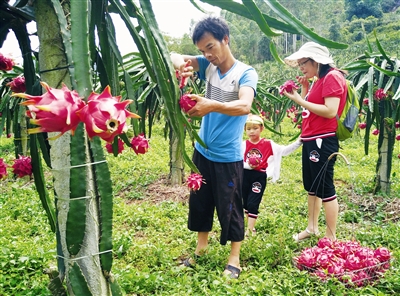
[{"x": 173, "y": 18}]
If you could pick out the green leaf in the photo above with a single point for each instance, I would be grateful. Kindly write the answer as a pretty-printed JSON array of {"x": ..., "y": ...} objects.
[
  {"x": 104, "y": 195},
  {"x": 370, "y": 88},
  {"x": 76, "y": 218},
  {"x": 77, "y": 280},
  {"x": 164, "y": 72},
  {"x": 386, "y": 72},
  {"x": 80, "y": 47},
  {"x": 240, "y": 9},
  {"x": 381, "y": 50},
  {"x": 259, "y": 19},
  {"x": 40, "y": 183}
]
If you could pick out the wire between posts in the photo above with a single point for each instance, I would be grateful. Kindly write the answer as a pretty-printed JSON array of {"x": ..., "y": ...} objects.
[
  {"x": 83, "y": 257},
  {"x": 79, "y": 165}
]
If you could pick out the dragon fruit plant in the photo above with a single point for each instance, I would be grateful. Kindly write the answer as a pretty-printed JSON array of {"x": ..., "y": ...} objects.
[
  {"x": 186, "y": 103},
  {"x": 288, "y": 86},
  {"x": 140, "y": 144},
  {"x": 54, "y": 111}
]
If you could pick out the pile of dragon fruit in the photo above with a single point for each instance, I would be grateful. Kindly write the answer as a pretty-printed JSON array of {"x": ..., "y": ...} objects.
[{"x": 348, "y": 261}]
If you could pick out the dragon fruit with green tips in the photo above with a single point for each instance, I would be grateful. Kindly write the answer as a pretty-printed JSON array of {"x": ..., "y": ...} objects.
[
  {"x": 140, "y": 144},
  {"x": 105, "y": 115},
  {"x": 54, "y": 111},
  {"x": 22, "y": 166}
]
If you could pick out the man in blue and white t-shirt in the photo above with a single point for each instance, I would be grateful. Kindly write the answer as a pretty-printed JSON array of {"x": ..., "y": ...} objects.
[{"x": 230, "y": 89}]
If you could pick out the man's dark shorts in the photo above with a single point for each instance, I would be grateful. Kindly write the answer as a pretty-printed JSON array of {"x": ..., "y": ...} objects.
[{"x": 222, "y": 191}]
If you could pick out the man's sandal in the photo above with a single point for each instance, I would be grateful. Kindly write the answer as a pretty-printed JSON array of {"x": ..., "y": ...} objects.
[
  {"x": 297, "y": 239},
  {"x": 189, "y": 261},
  {"x": 232, "y": 271}
]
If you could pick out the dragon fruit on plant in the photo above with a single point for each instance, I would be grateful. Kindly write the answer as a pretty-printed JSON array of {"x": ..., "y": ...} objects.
[
  {"x": 194, "y": 181},
  {"x": 140, "y": 144},
  {"x": 105, "y": 116},
  {"x": 22, "y": 166},
  {"x": 186, "y": 103},
  {"x": 6, "y": 64},
  {"x": 54, "y": 111},
  {"x": 17, "y": 85},
  {"x": 3, "y": 169},
  {"x": 362, "y": 125},
  {"x": 380, "y": 94},
  {"x": 120, "y": 146}
]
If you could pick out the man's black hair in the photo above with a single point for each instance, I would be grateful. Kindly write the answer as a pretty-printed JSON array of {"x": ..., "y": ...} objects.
[{"x": 214, "y": 25}]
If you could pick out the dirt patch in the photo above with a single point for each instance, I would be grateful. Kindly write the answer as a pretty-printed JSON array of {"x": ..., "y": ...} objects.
[
  {"x": 161, "y": 190},
  {"x": 367, "y": 204}
]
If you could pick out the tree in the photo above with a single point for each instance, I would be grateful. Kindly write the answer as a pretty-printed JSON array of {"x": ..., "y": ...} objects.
[
  {"x": 334, "y": 31},
  {"x": 363, "y": 8}
]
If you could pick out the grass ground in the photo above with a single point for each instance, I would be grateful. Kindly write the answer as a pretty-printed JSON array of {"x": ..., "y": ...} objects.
[{"x": 150, "y": 232}]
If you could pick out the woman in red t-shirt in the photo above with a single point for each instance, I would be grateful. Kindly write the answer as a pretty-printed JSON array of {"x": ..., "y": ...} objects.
[{"x": 322, "y": 100}]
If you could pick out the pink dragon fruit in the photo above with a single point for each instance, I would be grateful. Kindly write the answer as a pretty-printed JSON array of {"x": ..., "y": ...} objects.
[
  {"x": 54, "y": 111},
  {"x": 140, "y": 144},
  {"x": 325, "y": 242},
  {"x": 360, "y": 278},
  {"x": 375, "y": 132},
  {"x": 17, "y": 85},
  {"x": 3, "y": 169},
  {"x": 397, "y": 124},
  {"x": 362, "y": 125},
  {"x": 382, "y": 254},
  {"x": 348, "y": 261},
  {"x": 194, "y": 181},
  {"x": 6, "y": 64},
  {"x": 288, "y": 86},
  {"x": 120, "y": 146},
  {"x": 105, "y": 116},
  {"x": 308, "y": 258},
  {"x": 398, "y": 137},
  {"x": 335, "y": 268},
  {"x": 380, "y": 94},
  {"x": 22, "y": 166},
  {"x": 186, "y": 103}
]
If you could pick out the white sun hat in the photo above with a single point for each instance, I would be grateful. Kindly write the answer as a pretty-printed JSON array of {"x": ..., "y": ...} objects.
[{"x": 311, "y": 50}]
